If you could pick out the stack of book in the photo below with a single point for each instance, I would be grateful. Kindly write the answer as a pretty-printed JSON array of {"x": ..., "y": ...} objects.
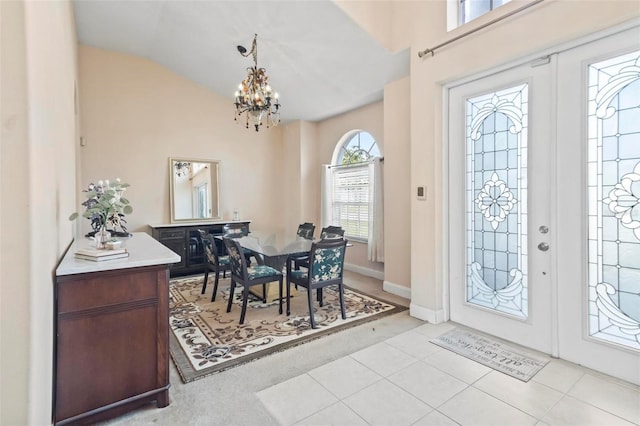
[{"x": 98, "y": 255}]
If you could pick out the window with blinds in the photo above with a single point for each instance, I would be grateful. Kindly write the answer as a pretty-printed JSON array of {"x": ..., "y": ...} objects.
[{"x": 351, "y": 200}]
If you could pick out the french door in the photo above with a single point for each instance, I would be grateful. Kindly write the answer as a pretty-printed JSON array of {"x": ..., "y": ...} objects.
[{"x": 544, "y": 202}]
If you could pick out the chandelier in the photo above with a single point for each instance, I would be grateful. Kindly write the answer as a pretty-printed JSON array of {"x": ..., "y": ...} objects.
[
  {"x": 254, "y": 96},
  {"x": 182, "y": 168}
]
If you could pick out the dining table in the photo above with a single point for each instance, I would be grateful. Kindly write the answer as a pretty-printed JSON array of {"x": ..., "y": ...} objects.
[{"x": 273, "y": 249}]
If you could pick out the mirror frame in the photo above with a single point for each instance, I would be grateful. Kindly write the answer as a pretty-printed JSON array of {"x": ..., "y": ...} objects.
[{"x": 172, "y": 161}]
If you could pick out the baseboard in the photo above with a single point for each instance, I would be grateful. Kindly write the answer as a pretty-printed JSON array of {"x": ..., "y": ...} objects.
[
  {"x": 364, "y": 271},
  {"x": 398, "y": 290},
  {"x": 426, "y": 314}
]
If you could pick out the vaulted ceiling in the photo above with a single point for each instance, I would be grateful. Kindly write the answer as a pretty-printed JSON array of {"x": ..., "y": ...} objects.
[{"x": 317, "y": 58}]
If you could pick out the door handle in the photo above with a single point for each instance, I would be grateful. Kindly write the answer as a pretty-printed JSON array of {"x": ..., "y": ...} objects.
[{"x": 543, "y": 246}]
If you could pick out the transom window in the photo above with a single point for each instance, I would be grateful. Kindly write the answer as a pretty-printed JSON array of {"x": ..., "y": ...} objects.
[
  {"x": 460, "y": 12},
  {"x": 350, "y": 184}
]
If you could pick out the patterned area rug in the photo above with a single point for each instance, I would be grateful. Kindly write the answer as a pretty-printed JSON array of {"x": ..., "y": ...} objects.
[
  {"x": 494, "y": 354},
  {"x": 205, "y": 339}
]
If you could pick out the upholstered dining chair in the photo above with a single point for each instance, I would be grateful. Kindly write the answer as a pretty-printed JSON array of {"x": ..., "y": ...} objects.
[
  {"x": 238, "y": 230},
  {"x": 326, "y": 232},
  {"x": 248, "y": 276},
  {"x": 215, "y": 262},
  {"x": 326, "y": 266},
  {"x": 331, "y": 232},
  {"x": 306, "y": 230}
]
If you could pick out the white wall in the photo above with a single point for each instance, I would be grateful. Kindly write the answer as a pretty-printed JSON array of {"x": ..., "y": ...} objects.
[{"x": 38, "y": 190}]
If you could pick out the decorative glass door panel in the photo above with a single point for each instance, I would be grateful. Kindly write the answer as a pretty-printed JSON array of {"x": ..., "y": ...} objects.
[
  {"x": 614, "y": 199},
  {"x": 496, "y": 128},
  {"x": 499, "y": 132}
]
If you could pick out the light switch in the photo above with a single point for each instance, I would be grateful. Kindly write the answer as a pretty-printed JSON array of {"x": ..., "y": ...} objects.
[{"x": 421, "y": 193}]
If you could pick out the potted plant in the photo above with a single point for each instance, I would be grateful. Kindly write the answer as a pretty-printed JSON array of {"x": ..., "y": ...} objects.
[{"x": 106, "y": 208}]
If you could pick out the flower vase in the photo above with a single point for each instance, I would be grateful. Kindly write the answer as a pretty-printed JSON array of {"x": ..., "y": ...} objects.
[{"x": 102, "y": 237}]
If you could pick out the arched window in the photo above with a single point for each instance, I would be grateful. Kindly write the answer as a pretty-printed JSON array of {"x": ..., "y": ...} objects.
[{"x": 349, "y": 188}]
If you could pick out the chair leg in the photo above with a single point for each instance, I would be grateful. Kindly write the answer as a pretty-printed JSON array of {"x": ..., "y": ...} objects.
[
  {"x": 341, "y": 294},
  {"x": 264, "y": 293},
  {"x": 320, "y": 298},
  {"x": 204, "y": 285},
  {"x": 245, "y": 297},
  {"x": 280, "y": 294},
  {"x": 231, "y": 290},
  {"x": 288, "y": 297},
  {"x": 215, "y": 285},
  {"x": 309, "y": 299}
]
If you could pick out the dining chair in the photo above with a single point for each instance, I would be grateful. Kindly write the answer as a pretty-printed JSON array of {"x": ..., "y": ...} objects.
[
  {"x": 215, "y": 262},
  {"x": 239, "y": 230},
  {"x": 306, "y": 230},
  {"x": 248, "y": 276},
  {"x": 326, "y": 266},
  {"x": 331, "y": 232}
]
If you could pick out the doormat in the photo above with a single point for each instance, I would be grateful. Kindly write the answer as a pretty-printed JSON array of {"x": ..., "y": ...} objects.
[
  {"x": 205, "y": 339},
  {"x": 499, "y": 356}
]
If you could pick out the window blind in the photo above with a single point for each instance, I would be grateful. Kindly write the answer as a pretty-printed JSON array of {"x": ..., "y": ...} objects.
[{"x": 350, "y": 208}]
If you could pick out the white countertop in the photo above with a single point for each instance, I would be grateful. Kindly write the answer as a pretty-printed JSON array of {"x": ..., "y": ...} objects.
[
  {"x": 189, "y": 223},
  {"x": 143, "y": 251}
]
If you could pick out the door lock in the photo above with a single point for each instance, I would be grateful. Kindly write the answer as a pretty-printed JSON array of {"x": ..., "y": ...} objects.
[
  {"x": 543, "y": 229},
  {"x": 543, "y": 246}
]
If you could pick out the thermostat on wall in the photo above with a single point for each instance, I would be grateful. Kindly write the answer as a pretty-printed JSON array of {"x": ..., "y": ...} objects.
[{"x": 421, "y": 193}]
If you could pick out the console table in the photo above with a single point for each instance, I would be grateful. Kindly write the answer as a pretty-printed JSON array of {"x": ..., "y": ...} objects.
[
  {"x": 111, "y": 332},
  {"x": 184, "y": 239}
]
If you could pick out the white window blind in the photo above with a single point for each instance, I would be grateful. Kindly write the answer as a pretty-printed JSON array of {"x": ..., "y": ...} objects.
[{"x": 350, "y": 195}]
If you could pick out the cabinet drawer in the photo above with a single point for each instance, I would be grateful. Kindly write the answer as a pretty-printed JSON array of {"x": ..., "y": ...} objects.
[
  {"x": 90, "y": 291},
  {"x": 171, "y": 234}
]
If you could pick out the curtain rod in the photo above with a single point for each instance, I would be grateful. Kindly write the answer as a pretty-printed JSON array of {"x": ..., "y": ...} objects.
[{"x": 513, "y": 12}]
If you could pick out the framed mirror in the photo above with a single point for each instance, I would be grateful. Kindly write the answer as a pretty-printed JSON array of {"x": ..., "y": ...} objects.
[{"x": 193, "y": 190}]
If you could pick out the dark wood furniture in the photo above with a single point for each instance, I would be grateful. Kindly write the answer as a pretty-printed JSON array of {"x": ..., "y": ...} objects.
[
  {"x": 111, "y": 334},
  {"x": 185, "y": 240},
  {"x": 215, "y": 262}
]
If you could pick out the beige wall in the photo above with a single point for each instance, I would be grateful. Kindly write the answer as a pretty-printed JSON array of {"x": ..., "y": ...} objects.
[
  {"x": 513, "y": 38},
  {"x": 136, "y": 114},
  {"x": 397, "y": 188},
  {"x": 329, "y": 132},
  {"x": 37, "y": 169}
]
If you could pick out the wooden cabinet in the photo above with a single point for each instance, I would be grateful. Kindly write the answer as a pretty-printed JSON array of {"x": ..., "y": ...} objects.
[
  {"x": 185, "y": 241},
  {"x": 112, "y": 333}
]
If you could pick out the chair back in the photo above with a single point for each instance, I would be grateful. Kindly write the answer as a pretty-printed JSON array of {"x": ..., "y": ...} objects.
[
  {"x": 330, "y": 232},
  {"x": 237, "y": 259},
  {"x": 326, "y": 261},
  {"x": 306, "y": 230},
  {"x": 235, "y": 230},
  {"x": 210, "y": 247}
]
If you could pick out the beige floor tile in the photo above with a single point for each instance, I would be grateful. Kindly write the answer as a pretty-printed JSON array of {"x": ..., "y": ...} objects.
[
  {"x": 383, "y": 358},
  {"x": 296, "y": 399},
  {"x": 384, "y": 403},
  {"x": 414, "y": 343},
  {"x": 531, "y": 397},
  {"x": 435, "y": 330},
  {"x": 435, "y": 418},
  {"x": 457, "y": 366},
  {"x": 559, "y": 375},
  {"x": 344, "y": 376},
  {"x": 570, "y": 411},
  {"x": 474, "y": 407},
  {"x": 337, "y": 414},
  {"x": 622, "y": 401},
  {"x": 428, "y": 383}
]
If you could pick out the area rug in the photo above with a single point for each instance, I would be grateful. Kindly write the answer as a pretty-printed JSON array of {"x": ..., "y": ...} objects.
[
  {"x": 205, "y": 339},
  {"x": 492, "y": 353}
]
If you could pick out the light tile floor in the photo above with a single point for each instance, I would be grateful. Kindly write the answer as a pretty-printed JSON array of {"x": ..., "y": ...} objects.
[{"x": 406, "y": 380}]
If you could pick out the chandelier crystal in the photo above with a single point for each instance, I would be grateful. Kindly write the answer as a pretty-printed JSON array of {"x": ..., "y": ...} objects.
[{"x": 254, "y": 97}]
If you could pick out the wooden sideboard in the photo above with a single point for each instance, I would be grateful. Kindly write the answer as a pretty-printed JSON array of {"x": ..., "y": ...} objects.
[
  {"x": 184, "y": 240},
  {"x": 112, "y": 333}
]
